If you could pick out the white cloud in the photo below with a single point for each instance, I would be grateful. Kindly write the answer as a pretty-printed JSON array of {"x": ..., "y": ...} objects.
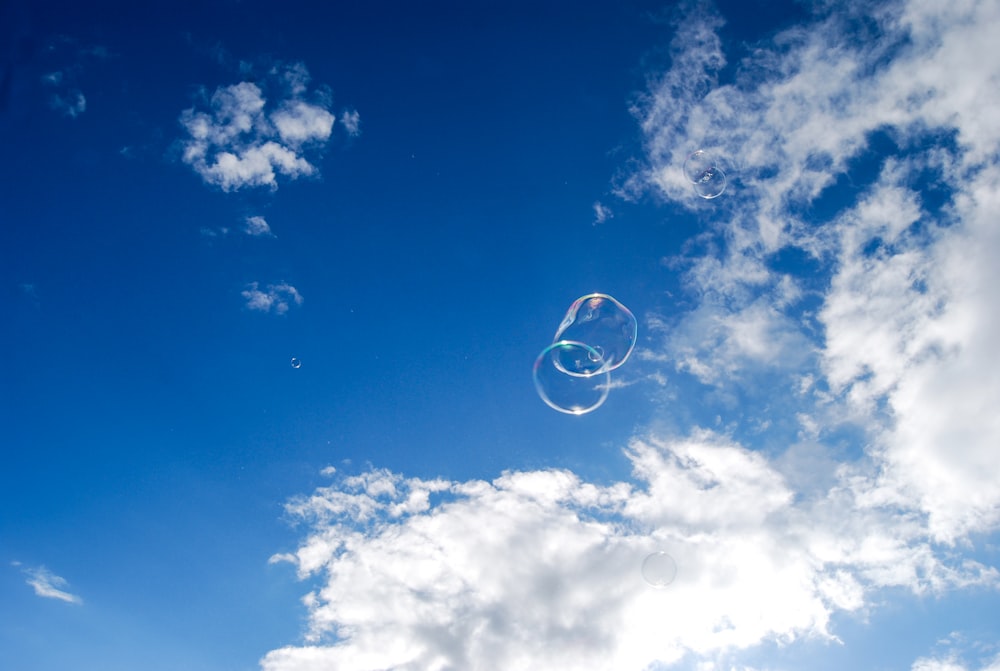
[
  {"x": 952, "y": 662},
  {"x": 257, "y": 226},
  {"x": 602, "y": 213},
  {"x": 277, "y": 298},
  {"x": 237, "y": 143},
  {"x": 540, "y": 569},
  {"x": 900, "y": 335},
  {"x": 299, "y": 122},
  {"x": 50, "y": 586},
  {"x": 352, "y": 122}
]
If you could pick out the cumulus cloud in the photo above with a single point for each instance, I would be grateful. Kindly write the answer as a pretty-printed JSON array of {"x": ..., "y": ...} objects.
[
  {"x": 277, "y": 298},
  {"x": 839, "y": 330},
  {"x": 543, "y": 570},
  {"x": 50, "y": 586},
  {"x": 239, "y": 138}
]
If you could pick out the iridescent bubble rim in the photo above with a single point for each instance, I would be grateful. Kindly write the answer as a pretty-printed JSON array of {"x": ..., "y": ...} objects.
[
  {"x": 571, "y": 393},
  {"x": 604, "y": 324}
]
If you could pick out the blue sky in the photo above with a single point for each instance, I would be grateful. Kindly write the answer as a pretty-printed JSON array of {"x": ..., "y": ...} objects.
[{"x": 407, "y": 200}]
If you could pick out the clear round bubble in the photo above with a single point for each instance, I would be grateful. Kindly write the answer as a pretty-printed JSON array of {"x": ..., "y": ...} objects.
[
  {"x": 659, "y": 569},
  {"x": 580, "y": 392},
  {"x": 296, "y": 363},
  {"x": 704, "y": 172},
  {"x": 605, "y": 325}
]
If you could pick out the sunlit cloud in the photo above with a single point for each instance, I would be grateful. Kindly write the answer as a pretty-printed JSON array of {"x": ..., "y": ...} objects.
[
  {"x": 50, "y": 586},
  {"x": 541, "y": 569},
  {"x": 277, "y": 298},
  {"x": 906, "y": 304},
  {"x": 237, "y": 137}
]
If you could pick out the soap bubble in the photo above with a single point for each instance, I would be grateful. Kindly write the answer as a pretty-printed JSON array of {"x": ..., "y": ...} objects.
[
  {"x": 296, "y": 363},
  {"x": 704, "y": 172},
  {"x": 659, "y": 569},
  {"x": 605, "y": 325},
  {"x": 572, "y": 377}
]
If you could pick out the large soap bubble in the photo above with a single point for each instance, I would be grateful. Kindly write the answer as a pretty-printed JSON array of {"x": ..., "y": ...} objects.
[
  {"x": 703, "y": 171},
  {"x": 572, "y": 377},
  {"x": 602, "y": 323},
  {"x": 659, "y": 569}
]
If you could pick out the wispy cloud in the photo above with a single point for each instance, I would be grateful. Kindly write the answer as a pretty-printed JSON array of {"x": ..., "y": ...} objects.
[
  {"x": 50, "y": 586},
  {"x": 63, "y": 83},
  {"x": 602, "y": 213},
  {"x": 257, "y": 226},
  {"x": 237, "y": 138},
  {"x": 952, "y": 662},
  {"x": 899, "y": 323},
  {"x": 277, "y": 298},
  {"x": 352, "y": 122}
]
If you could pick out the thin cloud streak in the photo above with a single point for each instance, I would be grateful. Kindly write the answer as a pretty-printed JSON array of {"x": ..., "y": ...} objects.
[{"x": 50, "y": 586}]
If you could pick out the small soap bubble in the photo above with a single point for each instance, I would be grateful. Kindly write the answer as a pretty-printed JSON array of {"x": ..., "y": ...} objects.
[
  {"x": 659, "y": 569},
  {"x": 704, "y": 172},
  {"x": 605, "y": 325},
  {"x": 577, "y": 392},
  {"x": 296, "y": 363}
]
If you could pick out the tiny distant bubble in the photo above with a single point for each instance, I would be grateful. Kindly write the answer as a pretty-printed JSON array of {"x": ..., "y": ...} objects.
[
  {"x": 659, "y": 569},
  {"x": 296, "y": 363},
  {"x": 604, "y": 324},
  {"x": 571, "y": 377},
  {"x": 704, "y": 172}
]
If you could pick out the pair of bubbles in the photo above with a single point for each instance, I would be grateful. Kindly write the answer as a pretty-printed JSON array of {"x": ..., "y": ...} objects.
[
  {"x": 573, "y": 374},
  {"x": 705, "y": 173}
]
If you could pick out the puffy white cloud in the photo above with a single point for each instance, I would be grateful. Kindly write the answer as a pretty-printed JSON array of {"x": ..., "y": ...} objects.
[
  {"x": 276, "y": 297},
  {"x": 299, "y": 122},
  {"x": 238, "y": 143},
  {"x": 542, "y": 570}
]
